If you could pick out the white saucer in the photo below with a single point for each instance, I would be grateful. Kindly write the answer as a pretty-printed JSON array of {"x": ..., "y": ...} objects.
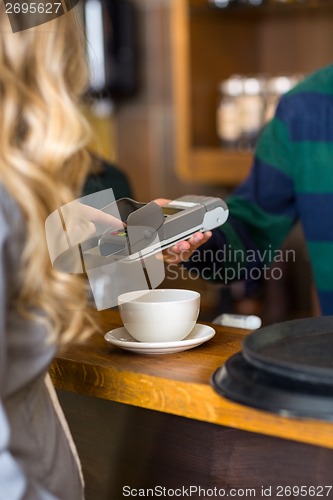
[{"x": 121, "y": 338}]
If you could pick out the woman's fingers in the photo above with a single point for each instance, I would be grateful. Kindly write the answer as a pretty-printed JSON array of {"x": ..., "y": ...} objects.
[{"x": 95, "y": 215}]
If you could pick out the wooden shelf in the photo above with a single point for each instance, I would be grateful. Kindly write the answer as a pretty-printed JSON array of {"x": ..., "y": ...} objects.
[
  {"x": 210, "y": 44},
  {"x": 214, "y": 165}
]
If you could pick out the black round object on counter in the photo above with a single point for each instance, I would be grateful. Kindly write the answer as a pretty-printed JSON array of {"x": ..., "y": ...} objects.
[
  {"x": 243, "y": 383},
  {"x": 285, "y": 368},
  {"x": 301, "y": 349}
]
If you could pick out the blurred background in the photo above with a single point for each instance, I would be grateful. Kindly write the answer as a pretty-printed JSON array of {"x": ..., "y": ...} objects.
[{"x": 179, "y": 91}]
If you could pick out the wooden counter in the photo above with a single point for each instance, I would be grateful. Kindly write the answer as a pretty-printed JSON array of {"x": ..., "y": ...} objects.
[
  {"x": 143, "y": 421},
  {"x": 177, "y": 384}
]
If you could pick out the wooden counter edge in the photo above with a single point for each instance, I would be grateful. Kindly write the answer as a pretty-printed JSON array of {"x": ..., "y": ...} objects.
[{"x": 185, "y": 399}]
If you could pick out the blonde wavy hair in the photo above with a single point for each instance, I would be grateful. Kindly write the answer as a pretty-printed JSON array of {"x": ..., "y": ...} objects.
[{"x": 43, "y": 162}]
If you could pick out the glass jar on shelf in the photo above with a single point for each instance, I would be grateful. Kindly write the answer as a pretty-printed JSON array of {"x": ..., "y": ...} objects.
[
  {"x": 228, "y": 117},
  {"x": 252, "y": 107},
  {"x": 276, "y": 86},
  {"x": 252, "y": 3},
  {"x": 286, "y": 2},
  {"x": 222, "y": 4}
]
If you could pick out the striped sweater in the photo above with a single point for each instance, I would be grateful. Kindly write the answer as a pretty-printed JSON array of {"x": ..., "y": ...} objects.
[{"x": 291, "y": 179}]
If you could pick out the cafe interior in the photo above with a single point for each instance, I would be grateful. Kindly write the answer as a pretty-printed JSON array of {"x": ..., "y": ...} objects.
[{"x": 242, "y": 410}]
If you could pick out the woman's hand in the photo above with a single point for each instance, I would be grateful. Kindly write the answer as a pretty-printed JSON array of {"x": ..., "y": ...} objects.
[
  {"x": 82, "y": 220},
  {"x": 176, "y": 254},
  {"x": 94, "y": 215}
]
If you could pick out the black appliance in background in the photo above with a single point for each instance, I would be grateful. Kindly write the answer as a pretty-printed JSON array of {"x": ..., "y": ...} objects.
[{"x": 112, "y": 47}]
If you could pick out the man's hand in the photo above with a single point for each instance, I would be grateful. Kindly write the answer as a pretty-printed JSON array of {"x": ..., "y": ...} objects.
[{"x": 183, "y": 250}]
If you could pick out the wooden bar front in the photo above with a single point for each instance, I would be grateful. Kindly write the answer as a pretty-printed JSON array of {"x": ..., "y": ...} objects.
[{"x": 143, "y": 421}]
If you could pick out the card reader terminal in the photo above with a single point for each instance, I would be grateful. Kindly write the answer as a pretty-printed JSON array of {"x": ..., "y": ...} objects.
[{"x": 150, "y": 228}]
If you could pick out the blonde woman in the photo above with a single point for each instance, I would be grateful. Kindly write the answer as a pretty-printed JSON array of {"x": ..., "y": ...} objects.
[{"x": 42, "y": 167}]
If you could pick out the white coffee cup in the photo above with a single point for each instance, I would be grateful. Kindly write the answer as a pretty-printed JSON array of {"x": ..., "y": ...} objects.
[{"x": 159, "y": 315}]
